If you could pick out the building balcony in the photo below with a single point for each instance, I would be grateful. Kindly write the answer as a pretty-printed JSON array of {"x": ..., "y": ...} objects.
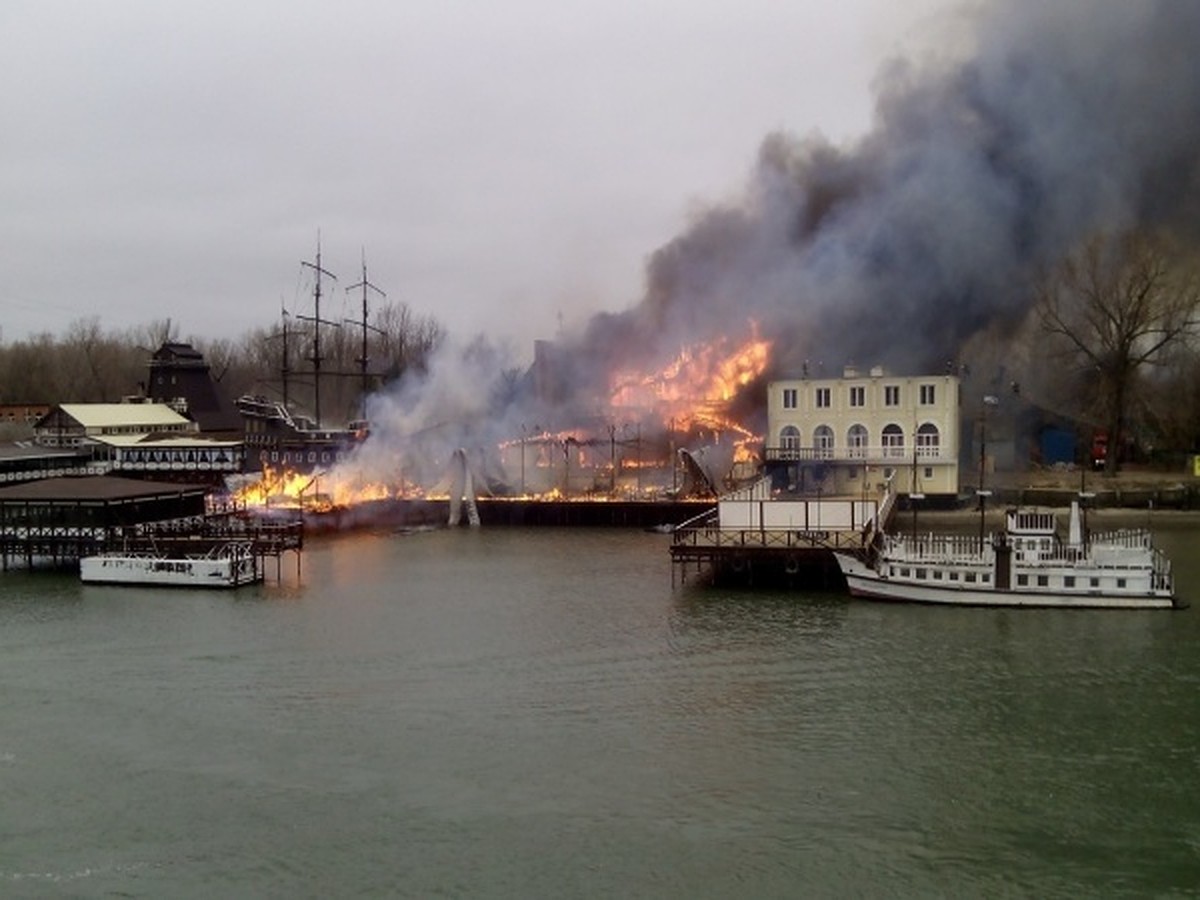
[{"x": 860, "y": 456}]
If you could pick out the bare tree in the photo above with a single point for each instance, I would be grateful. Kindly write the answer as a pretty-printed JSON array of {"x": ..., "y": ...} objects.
[
  {"x": 1173, "y": 404},
  {"x": 156, "y": 332},
  {"x": 1118, "y": 304},
  {"x": 406, "y": 339}
]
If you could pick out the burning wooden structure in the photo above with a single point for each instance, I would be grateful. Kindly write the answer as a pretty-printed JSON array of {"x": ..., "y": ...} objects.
[{"x": 661, "y": 436}]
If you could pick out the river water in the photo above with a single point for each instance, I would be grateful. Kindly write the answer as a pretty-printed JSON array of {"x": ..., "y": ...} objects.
[{"x": 547, "y": 713}]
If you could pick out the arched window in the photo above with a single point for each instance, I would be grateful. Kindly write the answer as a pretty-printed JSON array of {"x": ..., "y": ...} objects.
[
  {"x": 823, "y": 441},
  {"x": 789, "y": 441},
  {"x": 929, "y": 440},
  {"x": 893, "y": 440},
  {"x": 856, "y": 440}
]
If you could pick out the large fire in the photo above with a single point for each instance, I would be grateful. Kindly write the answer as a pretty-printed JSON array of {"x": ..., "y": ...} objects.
[
  {"x": 694, "y": 390},
  {"x": 660, "y": 411},
  {"x": 701, "y": 374},
  {"x": 307, "y": 490}
]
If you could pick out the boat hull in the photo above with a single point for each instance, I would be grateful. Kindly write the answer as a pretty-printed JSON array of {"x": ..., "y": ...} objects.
[
  {"x": 222, "y": 572},
  {"x": 864, "y": 581}
]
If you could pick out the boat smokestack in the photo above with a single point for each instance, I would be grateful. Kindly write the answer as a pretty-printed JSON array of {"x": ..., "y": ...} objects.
[{"x": 1075, "y": 528}]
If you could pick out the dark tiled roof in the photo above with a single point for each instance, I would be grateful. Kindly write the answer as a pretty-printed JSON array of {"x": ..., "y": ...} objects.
[{"x": 94, "y": 487}]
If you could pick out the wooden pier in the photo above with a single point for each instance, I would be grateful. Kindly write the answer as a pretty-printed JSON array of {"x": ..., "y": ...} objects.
[
  {"x": 753, "y": 539},
  {"x": 59, "y": 521}
]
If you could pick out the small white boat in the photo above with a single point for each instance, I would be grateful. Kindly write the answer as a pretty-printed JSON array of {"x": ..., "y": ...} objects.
[
  {"x": 1027, "y": 564},
  {"x": 228, "y": 566}
]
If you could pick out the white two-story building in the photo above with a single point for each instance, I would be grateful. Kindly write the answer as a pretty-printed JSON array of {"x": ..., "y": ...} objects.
[{"x": 849, "y": 435}]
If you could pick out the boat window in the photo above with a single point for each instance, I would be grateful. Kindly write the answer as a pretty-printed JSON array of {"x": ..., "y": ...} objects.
[
  {"x": 937, "y": 574},
  {"x": 1120, "y": 582},
  {"x": 986, "y": 577},
  {"x": 904, "y": 572},
  {"x": 970, "y": 578},
  {"x": 1023, "y": 580},
  {"x": 1069, "y": 581},
  {"x": 921, "y": 573},
  {"x": 1043, "y": 581},
  {"x": 954, "y": 576},
  {"x": 1095, "y": 582}
]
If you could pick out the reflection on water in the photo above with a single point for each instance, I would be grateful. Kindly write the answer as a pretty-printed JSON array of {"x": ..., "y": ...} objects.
[{"x": 516, "y": 712}]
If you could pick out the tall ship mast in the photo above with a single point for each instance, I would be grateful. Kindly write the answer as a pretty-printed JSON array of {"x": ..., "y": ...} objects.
[
  {"x": 276, "y": 435},
  {"x": 364, "y": 360},
  {"x": 317, "y": 321}
]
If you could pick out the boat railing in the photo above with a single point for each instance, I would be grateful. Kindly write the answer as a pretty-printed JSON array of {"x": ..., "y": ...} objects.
[
  {"x": 1125, "y": 548},
  {"x": 931, "y": 547},
  {"x": 716, "y": 538},
  {"x": 1131, "y": 538},
  {"x": 705, "y": 531}
]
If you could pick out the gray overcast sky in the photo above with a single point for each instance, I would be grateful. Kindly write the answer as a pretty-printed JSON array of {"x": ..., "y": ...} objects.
[{"x": 500, "y": 164}]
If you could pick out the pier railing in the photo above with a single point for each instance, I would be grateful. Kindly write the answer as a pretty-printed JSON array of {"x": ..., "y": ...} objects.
[{"x": 189, "y": 536}]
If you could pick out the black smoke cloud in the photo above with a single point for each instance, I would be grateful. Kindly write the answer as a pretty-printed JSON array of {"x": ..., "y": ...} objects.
[
  {"x": 1062, "y": 119},
  {"x": 1059, "y": 119}
]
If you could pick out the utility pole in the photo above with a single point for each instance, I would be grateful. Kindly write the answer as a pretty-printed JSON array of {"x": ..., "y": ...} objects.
[
  {"x": 363, "y": 359},
  {"x": 988, "y": 400},
  {"x": 317, "y": 321},
  {"x": 914, "y": 493}
]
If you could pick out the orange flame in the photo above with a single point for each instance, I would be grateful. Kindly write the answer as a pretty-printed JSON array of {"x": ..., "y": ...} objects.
[
  {"x": 701, "y": 374},
  {"x": 691, "y": 392},
  {"x": 308, "y": 490}
]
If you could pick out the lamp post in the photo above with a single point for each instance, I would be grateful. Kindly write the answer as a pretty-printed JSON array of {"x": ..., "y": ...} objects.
[{"x": 988, "y": 400}]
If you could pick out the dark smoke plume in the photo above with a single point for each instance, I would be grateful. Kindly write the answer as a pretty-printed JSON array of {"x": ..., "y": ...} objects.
[
  {"x": 1064, "y": 118},
  {"x": 1059, "y": 119}
]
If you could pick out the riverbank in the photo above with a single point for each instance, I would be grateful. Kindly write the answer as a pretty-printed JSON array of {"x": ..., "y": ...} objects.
[{"x": 1132, "y": 488}]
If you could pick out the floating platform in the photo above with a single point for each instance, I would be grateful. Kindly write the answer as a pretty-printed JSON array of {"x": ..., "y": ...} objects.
[
  {"x": 753, "y": 538},
  {"x": 227, "y": 567}
]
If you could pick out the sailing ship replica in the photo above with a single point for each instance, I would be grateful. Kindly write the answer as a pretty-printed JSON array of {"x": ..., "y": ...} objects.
[{"x": 277, "y": 435}]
